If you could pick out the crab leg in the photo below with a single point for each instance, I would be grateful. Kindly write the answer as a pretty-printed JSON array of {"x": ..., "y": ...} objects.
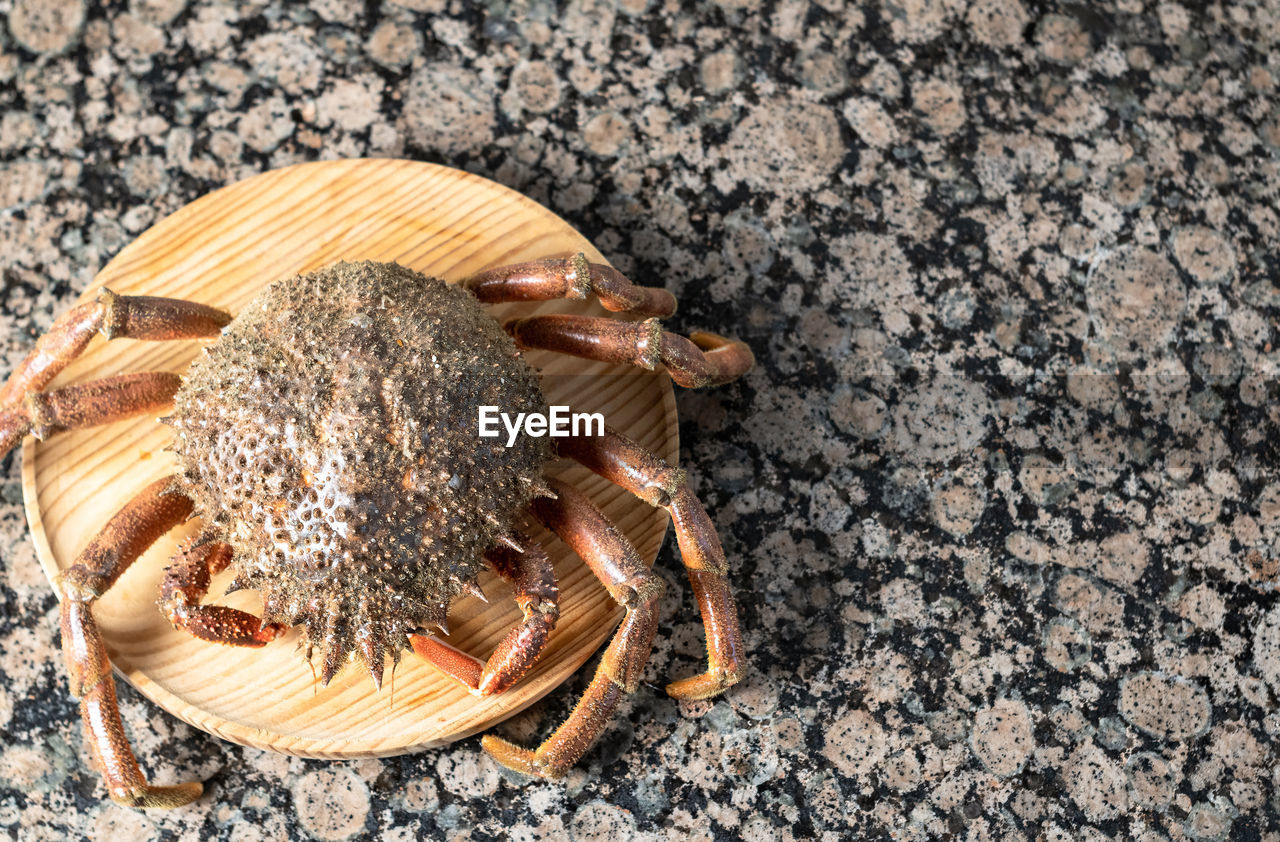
[
  {"x": 644, "y": 474},
  {"x": 131, "y": 316},
  {"x": 569, "y": 277},
  {"x": 186, "y": 582},
  {"x": 125, "y": 537},
  {"x": 704, "y": 359},
  {"x": 98, "y": 402},
  {"x": 534, "y": 582},
  {"x": 615, "y": 562}
]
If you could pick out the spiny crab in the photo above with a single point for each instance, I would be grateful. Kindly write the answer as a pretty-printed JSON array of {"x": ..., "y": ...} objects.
[{"x": 328, "y": 440}]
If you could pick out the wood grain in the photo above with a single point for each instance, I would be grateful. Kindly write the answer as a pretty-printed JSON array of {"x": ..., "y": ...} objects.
[{"x": 221, "y": 250}]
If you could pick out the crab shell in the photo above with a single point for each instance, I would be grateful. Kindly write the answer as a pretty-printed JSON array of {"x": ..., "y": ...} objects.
[{"x": 331, "y": 437}]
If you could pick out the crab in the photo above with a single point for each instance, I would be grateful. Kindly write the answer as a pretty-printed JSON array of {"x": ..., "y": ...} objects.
[{"x": 328, "y": 440}]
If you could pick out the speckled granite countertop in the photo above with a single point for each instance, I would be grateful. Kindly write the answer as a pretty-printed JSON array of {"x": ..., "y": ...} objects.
[{"x": 1002, "y": 495}]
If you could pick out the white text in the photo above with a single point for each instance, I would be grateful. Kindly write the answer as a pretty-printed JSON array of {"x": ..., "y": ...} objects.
[{"x": 559, "y": 423}]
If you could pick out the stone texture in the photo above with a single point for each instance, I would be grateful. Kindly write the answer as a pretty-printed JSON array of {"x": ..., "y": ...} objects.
[
  {"x": 1002, "y": 737},
  {"x": 1001, "y": 497},
  {"x": 46, "y": 26},
  {"x": 1167, "y": 708}
]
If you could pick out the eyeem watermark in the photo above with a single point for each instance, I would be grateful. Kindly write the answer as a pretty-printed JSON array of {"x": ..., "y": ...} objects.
[{"x": 558, "y": 424}]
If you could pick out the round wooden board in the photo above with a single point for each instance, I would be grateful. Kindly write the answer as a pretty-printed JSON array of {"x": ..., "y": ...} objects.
[{"x": 221, "y": 250}]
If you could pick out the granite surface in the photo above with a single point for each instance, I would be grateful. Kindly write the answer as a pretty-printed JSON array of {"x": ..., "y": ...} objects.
[{"x": 1002, "y": 496}]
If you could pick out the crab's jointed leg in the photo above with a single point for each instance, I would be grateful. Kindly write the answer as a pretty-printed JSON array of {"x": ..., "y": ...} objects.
[
  {"x": 87, "y": 405},
  {"x": 615, "y": 562},
  {"x": 704, "y": 359},
  {"x": 186, "y": 582},
  {"x": 643, "y": 473},
  {"x": 128, "y": 534},
  {"x": 131, "y": 316},
  {"x": 534, "y": 582},
  {"x": 569, "y": 277}
]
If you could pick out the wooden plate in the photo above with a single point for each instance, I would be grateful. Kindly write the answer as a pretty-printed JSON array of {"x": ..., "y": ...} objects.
[{"x": 221, "y": 250}]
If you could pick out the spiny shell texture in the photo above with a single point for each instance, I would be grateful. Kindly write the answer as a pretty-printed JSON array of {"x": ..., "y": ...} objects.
[{"x": 331, "y": 437}]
